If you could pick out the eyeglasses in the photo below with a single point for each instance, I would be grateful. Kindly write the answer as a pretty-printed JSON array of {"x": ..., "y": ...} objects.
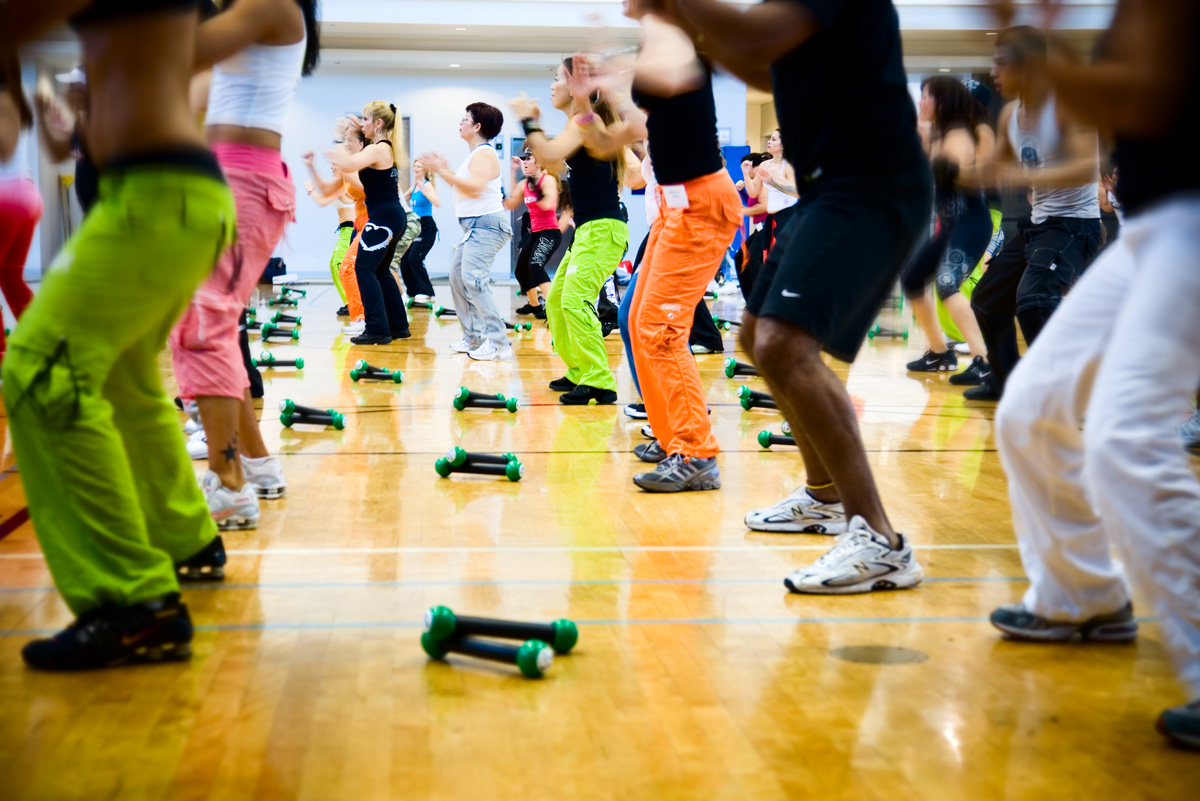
[{"x": 526, "y": 157}]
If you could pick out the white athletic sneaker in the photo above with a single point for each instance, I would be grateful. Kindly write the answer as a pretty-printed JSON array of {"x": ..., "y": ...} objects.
[
  {"x": 463, "y": 345},
  {"x": 799, "y": 513},
  {"x": 265, "y": 474},
  {"x": 355, "y": 329},
  {"x": 489, "y": 352},
  {"x": 729, "y": 288},
  {"x": 190, "y": 427},
  {"x": 421, "y": 298},
  {"x": 197, "y": 445},
  {"x": 700, "y": 350},
  {"x": 232, "y": 511},
  {"x": 712, "y": 287},
  {"x": 962, "y": 348},
  {"x": 861, "y": 561},
  {"x": 192, "y": 424},
  {"x": 648, "y": 432}
]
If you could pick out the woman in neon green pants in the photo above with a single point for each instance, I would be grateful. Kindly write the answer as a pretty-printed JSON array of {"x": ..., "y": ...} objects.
[
  {"x": 110, "y": 488},
  {"x": 601, "y": 237}
]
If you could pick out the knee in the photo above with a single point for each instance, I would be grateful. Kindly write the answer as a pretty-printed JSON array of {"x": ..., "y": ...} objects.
[{"x": 780, "y": 347}]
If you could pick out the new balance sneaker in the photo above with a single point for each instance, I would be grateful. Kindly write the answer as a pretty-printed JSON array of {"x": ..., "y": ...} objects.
[
  {"x": 489, "y": 352},
  {"x": 197, "y": 445},
  {"x": 355, "y": 329},
  {"x": 862, "y": 561},
  {"x": 563, "y": 384},
  {"x": 1181, "y": 724},
  {"x": 648, "y": 432},
  {"x": 799, "y": 513},
  {"x": 265, "y": 474},
  {"x": 974, "y": 375},
  {"x": 986, "y": 391},
  {"x": 1020, "y": 624},
  {"x": 232, "y": 511},
  {"x": 463, "y": 345},
  {"x": 207, "y": 565},
  {"x": 636, "y": 411},
  {"x": 151, "y": 631},
  {"x": 1189, "y": 431},
  {"x": 582, "y": 395},
  {"x": 944, "y": 362},
  {"x": 679, "y": 473},
  {"x": 650, "y": 452}
]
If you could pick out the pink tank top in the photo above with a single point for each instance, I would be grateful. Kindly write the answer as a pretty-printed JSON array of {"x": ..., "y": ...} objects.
[{"x": 539, "y": 219}]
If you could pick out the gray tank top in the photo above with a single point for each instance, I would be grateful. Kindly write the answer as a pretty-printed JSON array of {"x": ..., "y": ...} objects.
[{"x": 1043, "y": 147}]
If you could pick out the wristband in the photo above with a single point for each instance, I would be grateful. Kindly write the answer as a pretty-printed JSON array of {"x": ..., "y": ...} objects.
[{"x": 530, "y": 125}]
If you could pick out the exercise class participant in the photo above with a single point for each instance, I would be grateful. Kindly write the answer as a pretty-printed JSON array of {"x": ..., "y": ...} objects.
[
  {"x": 1041, "y": 145},
  {"x": 601, "y": 238},
  {"x": 479, "y": 204},
  {"x": 856, "y": 140},
  {"x": 964, "y": 222},
  {"x": 110, "y": 488},
  {"x": 335, "y": 192},
  {"x": 258, "y": 49},
  {"x": 20, "y": 203},
  {"x": 539, "y": 191},
  {"x": 378, "y": 166},
  {"x": 424, "y": 197}
]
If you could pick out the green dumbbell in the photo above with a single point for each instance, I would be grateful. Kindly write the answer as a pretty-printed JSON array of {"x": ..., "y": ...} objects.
[
  {"x": 442, "y": 311},
  {"x": 734, "y": 367},
  {"x": 271, "y": 330},
  {"x": 513, "y": 471},
  {"x": 280, "y": 317},
  {"x": 464, "y": 398},
  {"x": 429, "y": 304},
  {"x": 363, "y": 370},
  {"x": 268, "y": 360},
  {"x": 285, "y": 301},
  {"x": 457, "y": 456},
  {"x": 532, "y": 658},
  {"x": 291, "y": 290},
  {"x": 442, "y": 624},
  {"x": 767, "y": 438},
  {"x": 753, "y": 398},
  {"x": 292, "y": 412},
  {"x": 518, "y": 326}
]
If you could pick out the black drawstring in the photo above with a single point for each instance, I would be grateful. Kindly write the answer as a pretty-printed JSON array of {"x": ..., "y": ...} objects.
[{"x": 61, "y": 352}]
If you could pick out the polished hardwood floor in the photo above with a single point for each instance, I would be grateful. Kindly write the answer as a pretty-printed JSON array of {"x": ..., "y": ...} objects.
[{"x": 697, "y": 676}]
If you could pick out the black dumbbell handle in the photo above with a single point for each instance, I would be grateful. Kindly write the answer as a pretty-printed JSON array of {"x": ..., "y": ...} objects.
[
  {"x": 766, "y": 403},
  {"x": 312, "y": 417},
  {"x": 504, "y": 629},
  {"x": 485, "y": 403},
  {"x": 472, "y": 395},
  {"x": 307, "y": 410},
  {"x": 481, "y": 469},
  {"x": 280, "y": 363},
  {"x": 482, "y": 649},
  {"x": 485, "y": 458},
  {"x": 741, "y": 368},
  {"x": 779, "y": 439},
  {"x": 760, "y": 396}
]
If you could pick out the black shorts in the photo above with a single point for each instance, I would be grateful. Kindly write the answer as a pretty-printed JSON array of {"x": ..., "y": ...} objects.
[{"x": 837, "y": 259}]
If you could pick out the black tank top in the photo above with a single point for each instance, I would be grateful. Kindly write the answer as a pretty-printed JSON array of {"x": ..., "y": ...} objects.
[
  {"x": 683, "y": 133},
  {"x": 595, "y": 192},
  {"x": 380, "y": 186},
  {"x": 106, "y": 10}
]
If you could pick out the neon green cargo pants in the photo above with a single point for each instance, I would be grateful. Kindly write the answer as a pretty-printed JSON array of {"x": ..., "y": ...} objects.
[
  {"x": 344, "y": 238},
  {"x": 571, "y": 305},
  {"x": 110, "y": 488}
]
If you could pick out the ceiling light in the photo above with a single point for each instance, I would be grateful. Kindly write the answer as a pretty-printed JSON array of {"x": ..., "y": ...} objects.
[
  {"x": 455, "y": 66},
  {"x": 990, "y": 33},
  {"x": 944, "y": 69},
  {"x": 460, "y": 29}
]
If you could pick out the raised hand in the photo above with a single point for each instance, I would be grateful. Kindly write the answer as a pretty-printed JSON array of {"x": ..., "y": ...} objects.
[{"x": 525, "y": 108}]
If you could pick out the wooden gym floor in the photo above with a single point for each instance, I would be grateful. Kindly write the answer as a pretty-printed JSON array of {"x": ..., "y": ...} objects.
[{"x": 696, "y": 677}]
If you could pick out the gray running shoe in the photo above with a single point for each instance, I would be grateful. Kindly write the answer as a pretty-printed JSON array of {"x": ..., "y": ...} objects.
[
  {"x": 1019, "y": 623},
  {"x": 650, "y": 452},
  {"x": 1181, "y": 724},
  {"x": 1189, "y": 430},
  {"x": 677, "y": 473}
]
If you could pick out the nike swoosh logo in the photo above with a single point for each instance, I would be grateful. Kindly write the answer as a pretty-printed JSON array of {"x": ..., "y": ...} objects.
[
  {"x": 130, "y": 639},
  {"x": 789, "y": 294}
]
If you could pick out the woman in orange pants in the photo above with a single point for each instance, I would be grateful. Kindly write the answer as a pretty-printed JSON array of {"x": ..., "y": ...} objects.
[{"x": 699, "y": 214}]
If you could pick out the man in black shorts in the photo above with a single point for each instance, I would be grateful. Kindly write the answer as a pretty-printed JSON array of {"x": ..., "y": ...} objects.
[{"x": 851, "y": 132}]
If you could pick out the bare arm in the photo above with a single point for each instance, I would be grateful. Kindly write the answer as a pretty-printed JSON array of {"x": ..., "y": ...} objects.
[
  {"x": 667, "y": 64},
  {"x": 237, "y": 27},
  {"x": 430, "y": 193},
  {"x": 782, "y": 179},
  {"x": 549, "y": 193},
  {"x": 551, "y": 153},
  {"x": 755, "y": 210},
  {"x": 482, "y": 171},
  {"x": 516, "y": 196},
  {"x": 746, "y": 41},
  {"x": 10, "y": 126},
  {"x": 375, "y": 156},
  {"x": 332, "y": 187},
  {"x": 633, "y": 171}
]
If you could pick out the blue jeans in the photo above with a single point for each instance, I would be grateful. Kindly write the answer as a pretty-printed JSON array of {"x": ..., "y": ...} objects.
[
  {"x": 623, "y": 325},
  {"x": 471, "y": 277}
]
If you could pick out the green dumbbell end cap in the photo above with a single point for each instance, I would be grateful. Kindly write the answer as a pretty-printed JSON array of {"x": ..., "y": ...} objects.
[
  {"x": 266, "y": 356},
  {"x": 462, "y": 392},
  {"x": 440, "y": 622},
  {"x": 566, "y": 634},
  {"x": 275, "y": 317},
  {"x": 764, "y": 438},
  {"x": 716, "y": 318},
  {"x": 410, "y": 303},
  {"x": 361, "y": 364},
  {"x": 398, "y": 377},
  {"x": 295, "y": 333},
  {"x": 511, "y": 457},
  {"x": 355, "y": 375},
  {"x": 433, "y": 647},
  {"x": 730, "y": 368},
  {"x": 287, "y": 406},
  {"x": 744, "y": 392},
  {"x": 456, "y": 456},
  {"x": 458, "y": 403},
  {"x": 534, "y": 658},
  {"x": 299, "y": 362},
  {"x": 511, "y": 404},
  {"x": 286, "y": 419},
  {"x": 339, "y": 420},
  {"x": 499, "y": 396},
  {"x": 747, "y": 404},
  {"x": 442, "y": 467},
  {"x": 514, "y": 471}
]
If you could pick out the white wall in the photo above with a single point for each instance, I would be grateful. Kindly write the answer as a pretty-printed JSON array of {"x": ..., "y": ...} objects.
[{"x": 435, "y": 104}]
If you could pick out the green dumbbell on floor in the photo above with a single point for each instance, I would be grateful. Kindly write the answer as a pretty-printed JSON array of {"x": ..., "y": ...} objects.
[
  {"x": 363, "y": 370},
  {"x": 271, "y": 330},
  {"x": 768, "y": 438},
  {"x": 442, "y": 311},
  {"x": 734, "y": 367},
  {"x": 441, "y": 624},
  {"x": 292, "y": 413},
  {"x": 490, "y": 466},
  {"x": 465, "y": 398},
  {"x": 291, "y": 290},
  {"x": 268, "y": 360},
  {"x": 752, "y": 398},
  {"x": 429, "y": 304},
  {"x": 457, "y": 456},
  {"x": 532, "y": 658},
  {"x": 280, "y": 317},
  {"x": 518, "y": 326}
]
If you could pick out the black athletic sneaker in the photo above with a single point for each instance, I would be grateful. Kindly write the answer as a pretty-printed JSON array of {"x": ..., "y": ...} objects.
[
  {"x": 636, "y": 411},
  {"x": 934, "y": 363},
  {"x": 986, "y": 391},
  {"x": 405, "y": 334},
  {"x": 207, "y": 565},
  {"x": 152, "y": 631},
  {"x": 563, "y": 384},
  {"x": 1020, "y": 624},
  {"x": 650, "y": 452},
  {"x": 607, "y": 327},
  {"x": 1182, "y": 724},
  {"x": 526, "y": 309},
  {"x": 583, "y": 394},
  {"x": 975, "y": 373},
  {"x": 342, "y": 312},
  {"x": 365, "y": 339},
  {"x": 540, "y": 311}
]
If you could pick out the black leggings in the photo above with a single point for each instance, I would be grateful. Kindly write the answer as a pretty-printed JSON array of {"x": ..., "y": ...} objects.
[
  {"x": 535, "y": 254},
  {"x": 383, "y": 305},
  {"x": 412, "y": 263},
  {"x": 951, "y": 255}
]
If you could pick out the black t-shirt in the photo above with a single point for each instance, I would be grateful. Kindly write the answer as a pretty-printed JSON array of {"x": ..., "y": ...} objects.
[
  {"x": 683, "y": 133},
  {"x": 842, "y": 96},
  {"x": 105, "y": 10},
  {"x": 595, "y": 191}
]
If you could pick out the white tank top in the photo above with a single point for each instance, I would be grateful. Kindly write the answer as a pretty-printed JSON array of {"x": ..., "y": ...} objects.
[
  {"x": 778, "y": 201},
  {"x": 18, "y": 166},
  {"x": 254, "y": 88},
  {"x": 490, "y": 201},
  {"x": 1043, "y": 147}
]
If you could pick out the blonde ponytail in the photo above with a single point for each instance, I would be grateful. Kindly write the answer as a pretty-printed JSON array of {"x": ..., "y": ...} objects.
[{"x": 388, "y": 115}]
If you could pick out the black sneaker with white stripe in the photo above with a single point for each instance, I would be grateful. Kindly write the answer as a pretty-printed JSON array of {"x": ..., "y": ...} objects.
[{"x": 944, "y": 362}]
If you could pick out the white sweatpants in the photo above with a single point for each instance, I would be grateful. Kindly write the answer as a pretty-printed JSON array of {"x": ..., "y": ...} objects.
[{"x": 1123, "y": 354}]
